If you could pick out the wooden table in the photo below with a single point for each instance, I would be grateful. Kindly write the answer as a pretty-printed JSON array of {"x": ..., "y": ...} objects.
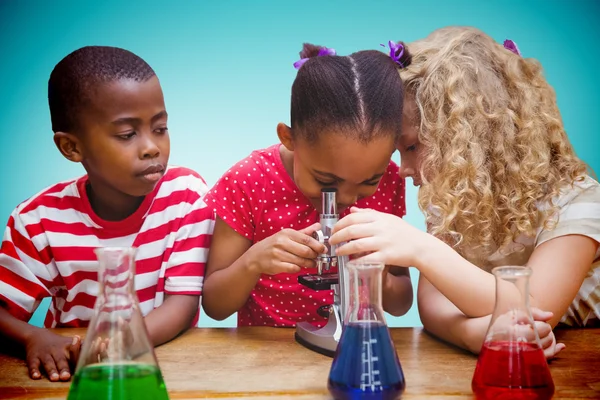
[{"x": 266, "y": 363}]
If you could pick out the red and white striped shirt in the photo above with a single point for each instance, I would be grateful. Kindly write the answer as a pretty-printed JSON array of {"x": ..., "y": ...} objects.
[{"x": 48, "y": 248}]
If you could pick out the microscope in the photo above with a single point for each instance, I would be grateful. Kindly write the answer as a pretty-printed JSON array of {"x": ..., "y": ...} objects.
[{"x": 325, "y": 340}]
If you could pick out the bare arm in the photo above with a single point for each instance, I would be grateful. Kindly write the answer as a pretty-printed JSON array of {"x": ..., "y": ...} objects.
[
  {"x": 173, "y": 317},
  {"x": 226, "y": 269},
  {"x": 234, "y": 265},
  {"x": 45, "y": 350},
  {"x": 443, "y": 319},
  {"x": 559, "y": 267},
  {"x": 397, "y": 291},
  {"x": 14, "y": 329}
]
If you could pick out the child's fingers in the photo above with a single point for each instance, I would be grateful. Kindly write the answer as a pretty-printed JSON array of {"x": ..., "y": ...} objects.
[
  {"x": 353, "y": 232},
  {"x": 290, "y": 258},
  {"x": 360, "y": 246},
  {"x": 74, "y": 349},
  {"x": 62, "y": 365},
  {"x": 310, "y": 229},
  {"x": 359, "y": 210},
  {"x": 304, "y": 247},
  {"x": 543, "y": 329},
  {"x": 33, "y": 364},
  {"x": 546, "y": 341},
  {"x": 287, "y": 268},
  {"x": 353, "y": 219},
  {"x": 540, "y": 315},
  {"x": 50, "y": 367}
]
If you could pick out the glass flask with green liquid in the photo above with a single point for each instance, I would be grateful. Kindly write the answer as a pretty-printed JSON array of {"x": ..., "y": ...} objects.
[{"x": 117, "y": 360}]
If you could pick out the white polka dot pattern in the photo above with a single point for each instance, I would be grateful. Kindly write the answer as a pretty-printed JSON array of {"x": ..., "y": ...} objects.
[{"x": 257, "y": 198}]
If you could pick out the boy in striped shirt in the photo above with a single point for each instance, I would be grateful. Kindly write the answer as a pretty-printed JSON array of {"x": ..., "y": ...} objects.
[{"x": 108, "y": 114}]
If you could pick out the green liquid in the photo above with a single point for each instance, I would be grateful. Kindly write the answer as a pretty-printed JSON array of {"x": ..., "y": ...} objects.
[{"x": 114, "y": 382}]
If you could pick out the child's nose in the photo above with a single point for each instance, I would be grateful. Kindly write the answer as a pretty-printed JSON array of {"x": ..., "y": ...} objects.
[
  {"x": 406, "y": 171},
  {"x": 149, "y": 149},
  {"x": 347, "y": 199}
]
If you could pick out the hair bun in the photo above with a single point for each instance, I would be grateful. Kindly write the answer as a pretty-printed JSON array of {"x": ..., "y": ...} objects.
[
  {"x": 405, "y": 58},
  {"x": 310, "y": 50}
]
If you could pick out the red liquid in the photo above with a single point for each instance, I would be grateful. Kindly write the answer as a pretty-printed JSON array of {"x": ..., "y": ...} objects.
[{"x": 511, "y": 370}]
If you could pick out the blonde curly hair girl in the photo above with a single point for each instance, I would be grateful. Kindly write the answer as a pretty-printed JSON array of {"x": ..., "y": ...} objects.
[
  {"x": 500, "y": 186},
  {"x": 493, "y": 143}
]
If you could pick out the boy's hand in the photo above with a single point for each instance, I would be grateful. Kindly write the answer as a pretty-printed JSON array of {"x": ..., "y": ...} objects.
[
  {"x": 286, "y": 251},
  {"x": 104, "y": 349},
  {"x": 53, "y": 353}
]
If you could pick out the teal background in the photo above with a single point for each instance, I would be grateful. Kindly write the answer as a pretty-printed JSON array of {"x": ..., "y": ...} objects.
[{"x": 226, "y": 71}]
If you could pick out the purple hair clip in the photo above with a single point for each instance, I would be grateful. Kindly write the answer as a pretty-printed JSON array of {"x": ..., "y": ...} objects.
[
  {"x": 396, "y": 52},
  {"x": 512, "y": 46},
  {"x": 324, "y": 51}
]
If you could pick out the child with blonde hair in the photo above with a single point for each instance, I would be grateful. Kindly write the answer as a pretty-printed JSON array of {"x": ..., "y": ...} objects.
[{"x": 500, "y": 184}]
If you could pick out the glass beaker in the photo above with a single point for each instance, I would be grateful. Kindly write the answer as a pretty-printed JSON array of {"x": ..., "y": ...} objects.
[
  {"x": 117, "y": 359},
  {"x": 366, "y": 364},
  {"x": 511, "y": 364}
]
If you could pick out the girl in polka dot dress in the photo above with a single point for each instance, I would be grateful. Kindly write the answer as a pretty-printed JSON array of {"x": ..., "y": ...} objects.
[{"x": 346, "y": 114}]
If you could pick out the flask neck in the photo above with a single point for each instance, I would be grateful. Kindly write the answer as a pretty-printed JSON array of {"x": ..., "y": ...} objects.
[
  {"x": 116, "y": 270},
  {"x": 365, "y": 292},
  {"x": 512, "y": 289}
]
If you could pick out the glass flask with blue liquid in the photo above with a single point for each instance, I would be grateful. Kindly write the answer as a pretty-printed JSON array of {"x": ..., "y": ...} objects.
[{"x": 366, "y": 365}]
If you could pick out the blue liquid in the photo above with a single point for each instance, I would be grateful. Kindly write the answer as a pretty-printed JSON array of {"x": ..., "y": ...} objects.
[{"x": 366, "y": 365}]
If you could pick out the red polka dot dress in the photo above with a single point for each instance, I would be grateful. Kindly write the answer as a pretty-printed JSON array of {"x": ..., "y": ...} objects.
[{"x": 257, "y": 198}]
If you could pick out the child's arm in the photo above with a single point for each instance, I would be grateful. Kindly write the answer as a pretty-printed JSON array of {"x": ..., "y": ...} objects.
[
  {"x": 235, "y": 265},
  {"x": 397, "y": 296},
  {"x": 45, "y": 350},
  {"x": 21, "y": 291},
  {"x": 174, "y": 316},
  {"x": 185, "y": 270},
  {"x": 559, "y": 265},
  {"x": 444, "y": 320}
]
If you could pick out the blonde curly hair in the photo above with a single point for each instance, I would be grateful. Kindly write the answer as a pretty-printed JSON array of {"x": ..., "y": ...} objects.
[{"x": 493, "y": 144}]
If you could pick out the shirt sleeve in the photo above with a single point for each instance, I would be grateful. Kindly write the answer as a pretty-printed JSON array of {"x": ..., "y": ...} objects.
[
  {"x": 24, "y": 279},
  {"x": 236, "y": 197},
  {"x": 186, "y": 263},
  {"x": 579, "y": 215}
]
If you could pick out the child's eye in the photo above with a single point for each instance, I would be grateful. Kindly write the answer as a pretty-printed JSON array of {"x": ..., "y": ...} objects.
[
  {"x": 126, "y": 136},
  {"x": 411, "y": 148},
  {"x": 162, "y": 130},
  {"x": 372, "y": 183},
  {"x": 325, "y": 183}
]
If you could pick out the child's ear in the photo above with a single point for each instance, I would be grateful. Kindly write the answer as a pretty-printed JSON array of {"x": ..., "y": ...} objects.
[
  {"x": 69, "y": 145},
  {"x": 285, "y": 136}
]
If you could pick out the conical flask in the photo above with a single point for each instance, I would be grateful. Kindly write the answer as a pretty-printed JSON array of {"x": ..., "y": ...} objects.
[
  {"x": 117, "y": 359},
  {"x": 366, "y": 364},
  {"x": 511, "y": 364}
]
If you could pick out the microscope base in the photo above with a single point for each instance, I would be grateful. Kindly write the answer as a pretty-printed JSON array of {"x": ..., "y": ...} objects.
[{"x": 322, "y": 340}]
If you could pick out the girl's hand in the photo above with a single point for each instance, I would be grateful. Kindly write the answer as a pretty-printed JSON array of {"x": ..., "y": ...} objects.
[
  {"x": 378, "y": 237},
  {"x": 547, "y": 338},
  {"x": 512, "y": 325},
  {"x": 287, "y": 251}
]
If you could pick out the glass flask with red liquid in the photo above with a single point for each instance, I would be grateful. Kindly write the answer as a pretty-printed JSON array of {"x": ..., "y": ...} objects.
[
  {"x": 511, "y": 364},
  {"x": 366, "y": 364}
]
